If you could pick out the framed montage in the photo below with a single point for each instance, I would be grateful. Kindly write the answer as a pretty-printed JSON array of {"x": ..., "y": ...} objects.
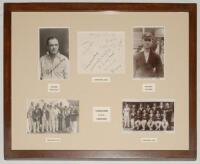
[{"x": 100, "y": 81}]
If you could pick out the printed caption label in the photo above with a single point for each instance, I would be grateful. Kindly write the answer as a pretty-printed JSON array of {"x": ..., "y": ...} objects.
[
  {"x": 101, "y": 114},
  {"x": 52, "y": 140},
  {"x": 148, "y": 139},
  {"x": 149, "y": 87},
  {"x": 53, "y": 88},
  {"x": 101, "y": 79}
]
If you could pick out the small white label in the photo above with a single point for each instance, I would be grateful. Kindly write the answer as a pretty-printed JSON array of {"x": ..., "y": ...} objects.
[
  {"x": 150, "y": 87},
  {"x": 101, "y": 114},
  {"x": 53, "y": 88},
  {"x": 148, "y": 139},
  {"x": 52, "y": 140},
  {"x": 101, "y": 79}
]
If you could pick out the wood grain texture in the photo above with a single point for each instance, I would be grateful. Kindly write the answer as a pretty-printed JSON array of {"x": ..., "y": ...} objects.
[{"x": 90, "y": 154}]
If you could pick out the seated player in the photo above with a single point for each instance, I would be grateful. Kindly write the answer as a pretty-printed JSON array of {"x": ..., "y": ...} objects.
[
  {"x": 151, "y": 121},
  {"x": 144, "y": 119},
  {"x": 157, "y": 120},
  {"x": 138, "y": 119},
  {"x": 133, "y": 117},
  {"x": 164, "y": 123}
]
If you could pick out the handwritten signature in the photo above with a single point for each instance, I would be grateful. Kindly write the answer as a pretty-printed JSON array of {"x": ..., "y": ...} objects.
[{"x": 101, "y": 52}]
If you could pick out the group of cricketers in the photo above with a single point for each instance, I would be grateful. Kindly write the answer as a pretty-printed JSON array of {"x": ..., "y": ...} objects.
[
  {"x": 52, "y": 117},
  {"x": 154, "y": 116}
]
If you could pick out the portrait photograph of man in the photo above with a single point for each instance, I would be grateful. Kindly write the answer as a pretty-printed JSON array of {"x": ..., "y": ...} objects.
[
  {"x": 148, "y": 58},
  {"x": 54, "y": 55}
]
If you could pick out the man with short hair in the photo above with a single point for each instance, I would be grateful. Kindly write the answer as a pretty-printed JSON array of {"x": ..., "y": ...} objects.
[
  {"x": 147, "y": 63},
  {"x": 150, "y": 122},
  {"x": 144, "y": 119},
  {"x": 74, "y": 119},
  {"x": 67, "y": 118},
  {"x": 30, "y": 118},
  {"x": 56, "y": 117},
  {"x": 169, "y": 114},
  {"x": 53, "y": 65},
  {"x": 51, "y": 119},
  {"x": 138, "y": 119},
  {"x": 126, "y": 113},
  {"x": 132, "y": 116},
  {"x": 45, "y": 118},
  {"x": 37, "y": 115}
]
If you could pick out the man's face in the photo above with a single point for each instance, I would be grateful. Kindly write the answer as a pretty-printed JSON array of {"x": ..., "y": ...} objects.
[
  {"x": 147, "y": 42},
  {"x": 167, "y": 105},
  {"x": 53, "y": 46}
]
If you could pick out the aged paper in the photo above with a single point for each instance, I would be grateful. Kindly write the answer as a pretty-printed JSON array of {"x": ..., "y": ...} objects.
[{"x": 101, "y": 52}]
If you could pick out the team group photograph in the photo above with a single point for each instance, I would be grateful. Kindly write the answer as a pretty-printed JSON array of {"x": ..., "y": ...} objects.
[
  {"x": 148, "y": 116},
  {"x": 53, "y": 116}
]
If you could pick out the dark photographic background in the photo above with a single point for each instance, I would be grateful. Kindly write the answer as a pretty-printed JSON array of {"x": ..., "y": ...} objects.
[
  {"x": 144, "y": 104},
  {"x": 158, "y": 40},
  {"x": 171, "y": 104},
  {"x": 63, "y": 37}
]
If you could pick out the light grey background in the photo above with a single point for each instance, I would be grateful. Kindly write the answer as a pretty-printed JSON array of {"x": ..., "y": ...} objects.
[{"x": 2, "y": 161}]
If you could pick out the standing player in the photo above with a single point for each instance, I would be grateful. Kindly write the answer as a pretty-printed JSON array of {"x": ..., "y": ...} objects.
[
  {"x": 126, "y": 113},
  {"x": 30, "y": 117},
  {"x": 45, "y": 118},
  {"x": 133, "y": 117}
]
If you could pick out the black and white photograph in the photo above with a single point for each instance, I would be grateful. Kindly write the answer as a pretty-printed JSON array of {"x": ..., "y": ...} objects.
[
  {"x": 148, "y": 115},
  {"x": 52, "y": 116},
  {"x": 148, "y": 52},
  {"x": 54, "y": 53}
]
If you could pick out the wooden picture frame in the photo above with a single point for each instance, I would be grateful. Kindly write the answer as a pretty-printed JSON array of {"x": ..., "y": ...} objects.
[{"x": 85, "y": 154}]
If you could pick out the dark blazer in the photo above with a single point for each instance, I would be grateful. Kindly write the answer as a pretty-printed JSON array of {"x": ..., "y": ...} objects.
[
  {"x": 153, "y": 67},
  {"x": 37, "y": 114}
]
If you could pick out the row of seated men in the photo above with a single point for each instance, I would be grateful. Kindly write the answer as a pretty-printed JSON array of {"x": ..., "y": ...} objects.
[{"x": 148, "y": 116}]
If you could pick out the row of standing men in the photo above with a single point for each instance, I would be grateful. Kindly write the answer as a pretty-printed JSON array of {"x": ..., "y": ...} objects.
[{"x": 52, "y": 118}]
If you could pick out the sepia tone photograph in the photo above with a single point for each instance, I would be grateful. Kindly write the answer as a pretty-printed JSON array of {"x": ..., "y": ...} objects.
[
  {"x": 52, "y": 116},
  {"x": 148, "y": 52},
  {"x": 54, "y": 53},
  {"x": 148, "y": 116}
]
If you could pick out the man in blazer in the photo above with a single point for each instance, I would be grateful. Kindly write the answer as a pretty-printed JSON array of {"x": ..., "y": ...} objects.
[{"x": 147, "y": 63}]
